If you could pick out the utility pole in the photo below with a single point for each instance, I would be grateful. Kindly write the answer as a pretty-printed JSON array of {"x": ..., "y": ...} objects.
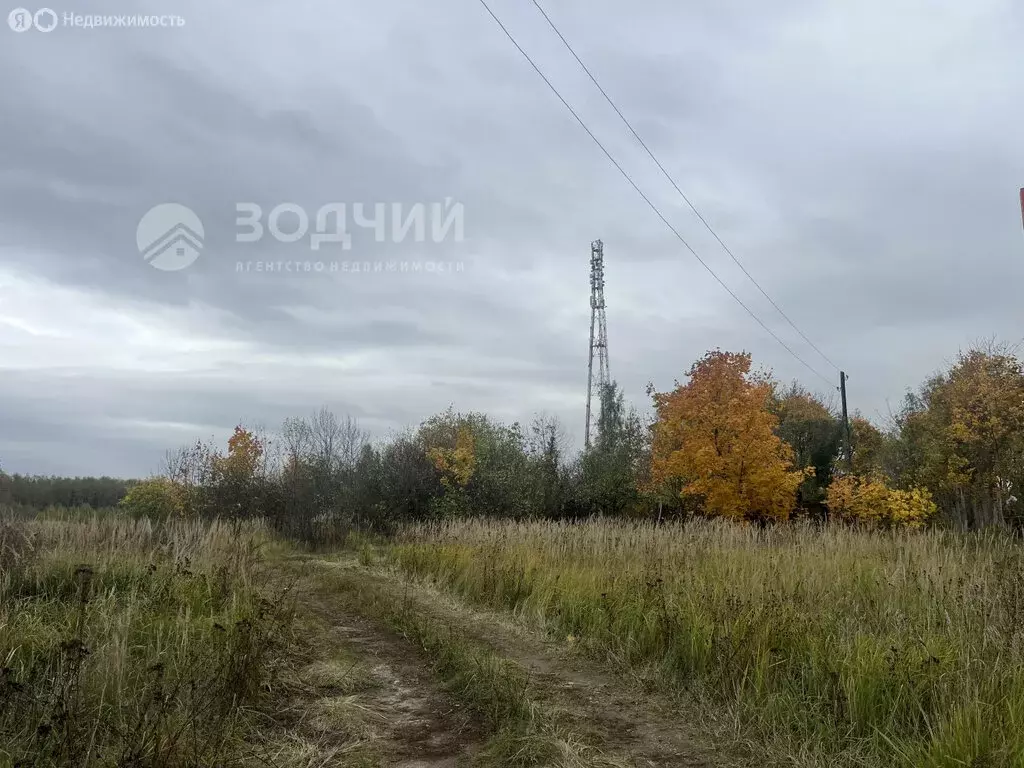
[
  {"x": 847, "y": 448},
  {"x": 598, "y": 343}
]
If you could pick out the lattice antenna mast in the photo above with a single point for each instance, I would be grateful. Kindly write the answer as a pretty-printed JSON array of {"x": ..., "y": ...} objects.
[{"x": 596, "y": 385}]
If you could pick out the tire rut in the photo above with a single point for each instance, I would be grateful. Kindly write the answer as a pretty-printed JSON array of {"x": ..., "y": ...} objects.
[
  {"x": 646, "y": 729},
  {"x": 416, "y": 724}
]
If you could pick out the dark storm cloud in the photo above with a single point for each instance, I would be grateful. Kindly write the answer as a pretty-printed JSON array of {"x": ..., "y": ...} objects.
[{"x": 861, "y": 160}]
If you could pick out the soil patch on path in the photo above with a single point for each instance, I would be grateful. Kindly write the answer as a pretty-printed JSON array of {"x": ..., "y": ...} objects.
[{"x": 370, "y": 698}]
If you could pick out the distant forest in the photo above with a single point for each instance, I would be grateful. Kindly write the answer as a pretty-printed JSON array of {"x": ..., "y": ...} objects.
[{"x": 39, "y": 492}]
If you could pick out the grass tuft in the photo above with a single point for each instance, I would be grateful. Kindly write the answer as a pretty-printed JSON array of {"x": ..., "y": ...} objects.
[{"x": 126, "y": 643}]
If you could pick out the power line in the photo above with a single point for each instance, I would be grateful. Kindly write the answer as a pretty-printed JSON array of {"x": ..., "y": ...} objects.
[
  {"x": 672, "y": 181},
  {"x": 646, "y": 199}
]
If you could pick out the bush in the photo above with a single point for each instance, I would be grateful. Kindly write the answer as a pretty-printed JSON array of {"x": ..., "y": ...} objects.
[
  {"x": 157, "y": 498},
  {"x": 868, "y": 500},
  {"x": 911, "y": 509}
]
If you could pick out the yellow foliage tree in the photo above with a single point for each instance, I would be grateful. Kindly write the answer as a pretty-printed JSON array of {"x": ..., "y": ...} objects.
[
  {"x": 458, "y": 462},
  {"x": 715, "y": 435},
  {"x": 966, "y": 435}
]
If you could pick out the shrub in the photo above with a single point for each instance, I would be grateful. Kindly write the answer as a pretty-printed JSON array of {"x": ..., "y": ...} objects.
[
  {"x": 157, "y": 498},
  {"x": 911, "y": 509},
  {"x": 869, "y": 500}
]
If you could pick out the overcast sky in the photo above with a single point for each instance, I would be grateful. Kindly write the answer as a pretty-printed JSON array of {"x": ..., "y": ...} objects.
[{"x": 862, "y": 160}]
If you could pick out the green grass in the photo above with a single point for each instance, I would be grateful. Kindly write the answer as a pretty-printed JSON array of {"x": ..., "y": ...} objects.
[
  {"x": 834, "y": 647},
  {"x": 127, "y": 643}
]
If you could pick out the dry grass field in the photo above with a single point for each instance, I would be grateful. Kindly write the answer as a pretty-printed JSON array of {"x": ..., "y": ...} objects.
[
  {"x": 132, "y": 643},
  {"x": 823, "y": 646}
]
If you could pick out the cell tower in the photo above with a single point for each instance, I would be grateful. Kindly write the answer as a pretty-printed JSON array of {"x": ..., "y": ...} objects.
[{"x": 596, "y": 385}]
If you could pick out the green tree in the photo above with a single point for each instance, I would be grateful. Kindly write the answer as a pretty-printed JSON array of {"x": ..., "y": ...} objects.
[
  {"x": 872, "y": 452},
  {"x": 490, "y": 457},
  {"x": 612, "y": 471},
  {"x": 549, "y": 471},
  {"x": 814, "y": 433}
]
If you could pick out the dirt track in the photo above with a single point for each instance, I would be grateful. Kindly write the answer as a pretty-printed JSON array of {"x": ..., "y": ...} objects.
[
  {"x": 412, "y": 722},
  {"x": 419, "y": 725}
]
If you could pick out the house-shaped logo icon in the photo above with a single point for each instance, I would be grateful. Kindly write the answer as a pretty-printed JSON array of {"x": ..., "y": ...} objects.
[{"x": 170, "y": 237}]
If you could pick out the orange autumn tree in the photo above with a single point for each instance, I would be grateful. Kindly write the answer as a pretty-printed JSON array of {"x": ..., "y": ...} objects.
[
  {"x": 715, "y": 436},
  {"x": 234, "y": 490},
  {"x": 245, "y": 456}
]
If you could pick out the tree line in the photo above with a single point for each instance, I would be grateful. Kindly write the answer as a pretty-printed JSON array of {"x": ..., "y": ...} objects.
[
  {"x": 727, "y": 441},
  {"x": 34, "y": 492}
]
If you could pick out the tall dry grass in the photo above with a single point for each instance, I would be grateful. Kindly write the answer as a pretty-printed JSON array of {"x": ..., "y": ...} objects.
[
  {"x": 129, "y": 643},
  {"x": 827, "y": 646}
]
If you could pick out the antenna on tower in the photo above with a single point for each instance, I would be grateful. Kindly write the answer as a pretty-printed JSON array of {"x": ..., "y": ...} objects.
[{"x": 598, "y": 342}]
